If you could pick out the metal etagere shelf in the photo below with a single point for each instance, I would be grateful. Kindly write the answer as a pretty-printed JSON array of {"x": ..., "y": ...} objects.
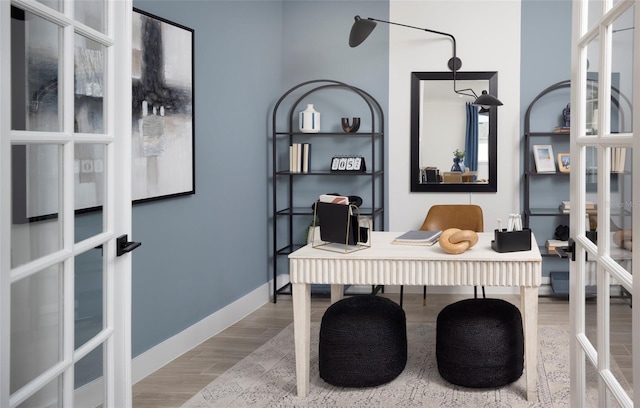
[{"x": 286, "y": 197}]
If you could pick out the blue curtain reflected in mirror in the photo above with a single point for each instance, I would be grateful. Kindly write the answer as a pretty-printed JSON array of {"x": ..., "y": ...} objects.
[{"x": 471, "y": 139}]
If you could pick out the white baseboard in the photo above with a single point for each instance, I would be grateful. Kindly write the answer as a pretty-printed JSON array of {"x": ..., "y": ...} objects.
[{"x": 161, "y": 354}]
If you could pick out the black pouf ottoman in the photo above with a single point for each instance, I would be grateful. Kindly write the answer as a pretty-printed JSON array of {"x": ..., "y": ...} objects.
[
  {"x": 480, "y": 343},
  {"x": 363, "y": 342}
]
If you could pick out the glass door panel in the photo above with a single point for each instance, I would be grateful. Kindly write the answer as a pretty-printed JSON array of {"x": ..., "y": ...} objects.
[
  {"x": 89, "y": 380},
  {"x": 47, "y": 396},
  {"x": 89, "y": 296},
  {"x": 89, "y": 82},
  {"x": 35, "y": 72},
  {"x": 36, "y": 325},
  {"x": 90, "y": 188},
  {"x": 91, "y": 13},
  {"x": 36, "y": 228},
  {"x": 621, "y": 68}
]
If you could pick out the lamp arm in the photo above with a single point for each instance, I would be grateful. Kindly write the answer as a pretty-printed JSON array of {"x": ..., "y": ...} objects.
[{"x": 453, "y": 65}]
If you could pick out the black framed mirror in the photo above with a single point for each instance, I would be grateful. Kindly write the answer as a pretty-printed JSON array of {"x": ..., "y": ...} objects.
[{"x": 443, "y": 122}]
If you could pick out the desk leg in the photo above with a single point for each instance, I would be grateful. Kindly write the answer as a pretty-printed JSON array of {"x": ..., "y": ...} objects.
[
  {"x": 529, "y": 308},
  {"x": 301, "y": 294},
  {"x": 337, "y": 293}
]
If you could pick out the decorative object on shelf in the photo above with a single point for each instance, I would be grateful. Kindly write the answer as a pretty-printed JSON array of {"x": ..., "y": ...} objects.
[
  {"x": 348, "y": 163},
  {"x": 543, "y": 156},
  {"x": 309, "y": 120},
  {"x": 623, "y": 238},
  {"x": 362, "y": 28},
  {"x": 566, "y": 116},
  {"x": 350, "y": 128},
  {"x": 564, "y": 162},
  {"x": 562, "y": 232},
  {"x": 456, "y": 241},
  {"x": 458, "y": 156}
]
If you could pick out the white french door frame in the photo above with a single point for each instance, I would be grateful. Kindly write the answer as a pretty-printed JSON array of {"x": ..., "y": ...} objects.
[
  {"x": 583, "y": 352},
  {"x": 115, "y": 337}
]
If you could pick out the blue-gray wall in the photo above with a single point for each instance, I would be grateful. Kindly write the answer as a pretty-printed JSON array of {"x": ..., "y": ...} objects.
[
  {"x": 545, "y": 60},
  {"x": 202, "y": 252}
]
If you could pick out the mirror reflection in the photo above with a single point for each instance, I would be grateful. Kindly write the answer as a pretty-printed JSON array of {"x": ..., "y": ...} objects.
[{"x": 453, "y": 143}]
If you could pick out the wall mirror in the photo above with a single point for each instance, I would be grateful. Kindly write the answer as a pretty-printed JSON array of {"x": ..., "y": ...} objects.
[{"x": 443, "y": 122}]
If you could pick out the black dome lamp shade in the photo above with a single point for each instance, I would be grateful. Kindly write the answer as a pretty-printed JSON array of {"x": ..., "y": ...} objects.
[{"x": 363, "y": 27}]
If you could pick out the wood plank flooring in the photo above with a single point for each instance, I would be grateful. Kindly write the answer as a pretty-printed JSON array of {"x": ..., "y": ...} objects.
[{"x": 175, "y": 383}]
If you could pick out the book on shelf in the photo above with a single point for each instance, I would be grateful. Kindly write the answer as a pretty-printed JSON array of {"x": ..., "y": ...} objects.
[
  {"x": 416, "y": 237},
  {"x": 561, "y": 129},
  {"x": 299, "y": 157},
  {"x": 552, "y": 244},
  {"x": 618, "y": 156},
  {"x": 565, "y": 207}
]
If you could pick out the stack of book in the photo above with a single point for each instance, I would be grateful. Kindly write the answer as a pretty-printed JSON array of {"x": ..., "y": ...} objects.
[
  {"x": 299, "y": 157},
  {"x": 561, "y": 129},
  {"x": 565, "y": 207},
  {"x": 552, "y": 244}
]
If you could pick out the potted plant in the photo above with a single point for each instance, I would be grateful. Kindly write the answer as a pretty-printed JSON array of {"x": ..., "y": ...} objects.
[{"x": 458, "y": 156}]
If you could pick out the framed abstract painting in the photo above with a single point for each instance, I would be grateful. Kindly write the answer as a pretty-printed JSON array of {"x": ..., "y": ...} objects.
[{"x": 163, "y": 139}]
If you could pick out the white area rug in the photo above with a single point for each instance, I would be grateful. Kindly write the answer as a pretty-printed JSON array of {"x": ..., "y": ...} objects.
[{"x": 266, "y": 378}]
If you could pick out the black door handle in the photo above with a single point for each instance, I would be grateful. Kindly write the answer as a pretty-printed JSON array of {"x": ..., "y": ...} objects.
[
  {"x": 125, "y": 246},
  {"x": 564, "y": 251}
]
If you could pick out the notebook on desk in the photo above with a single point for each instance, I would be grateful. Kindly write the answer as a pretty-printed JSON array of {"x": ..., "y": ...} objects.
[{"x": 416, "y": 237}]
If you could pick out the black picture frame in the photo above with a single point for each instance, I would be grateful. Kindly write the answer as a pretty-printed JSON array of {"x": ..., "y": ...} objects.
[{"x": 163, "y": 122}]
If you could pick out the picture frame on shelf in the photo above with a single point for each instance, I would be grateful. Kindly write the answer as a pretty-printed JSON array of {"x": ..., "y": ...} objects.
[
  {"x": 544, "y": 159},
  {"x": 564, "y": 162}
]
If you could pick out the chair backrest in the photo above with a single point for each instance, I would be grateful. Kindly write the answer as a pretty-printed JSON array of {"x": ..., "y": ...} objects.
[
  {"x": 452, "y": 177},
  {"x": 463, "y": 216}
]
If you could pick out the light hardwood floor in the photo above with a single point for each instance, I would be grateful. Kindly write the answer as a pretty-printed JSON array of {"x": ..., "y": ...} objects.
[{"x": 175, "y": 383}]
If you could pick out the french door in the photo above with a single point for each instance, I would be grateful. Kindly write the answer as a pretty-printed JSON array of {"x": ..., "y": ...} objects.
[
  {"x": 605, "y": 157},
  {"x": 65, "y": 123}
]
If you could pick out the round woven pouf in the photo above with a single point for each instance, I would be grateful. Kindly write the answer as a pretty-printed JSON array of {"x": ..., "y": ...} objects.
[
  {"x": 363, "y": 342},
  {"x": 479, "y": 343}
]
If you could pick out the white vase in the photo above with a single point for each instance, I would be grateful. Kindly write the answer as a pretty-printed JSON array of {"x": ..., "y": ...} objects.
[{"x": 309, "y": 120}]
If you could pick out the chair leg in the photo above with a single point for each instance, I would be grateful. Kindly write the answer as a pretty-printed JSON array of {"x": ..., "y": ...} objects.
[
  {"x": 475, "y": 292},
  {"x": 401, "y": 294},
  {"x": 424, "y": 295},
  {"x": 483, "y": 294}
]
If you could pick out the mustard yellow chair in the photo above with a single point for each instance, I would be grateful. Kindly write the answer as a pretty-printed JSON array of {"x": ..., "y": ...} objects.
[{"x": 443, "y": 216}]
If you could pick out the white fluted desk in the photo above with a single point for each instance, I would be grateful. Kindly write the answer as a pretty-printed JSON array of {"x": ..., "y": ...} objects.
[{"x": 388, "y": 264}]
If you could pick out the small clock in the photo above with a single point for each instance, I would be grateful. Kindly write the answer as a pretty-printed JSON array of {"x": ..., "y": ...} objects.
[{"x": 348, "y": 163}]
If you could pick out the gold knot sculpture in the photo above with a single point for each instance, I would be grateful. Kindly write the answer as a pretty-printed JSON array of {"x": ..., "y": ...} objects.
[
  {"x": 456, "y": 241},
  {"x": 623, "y": 238}
]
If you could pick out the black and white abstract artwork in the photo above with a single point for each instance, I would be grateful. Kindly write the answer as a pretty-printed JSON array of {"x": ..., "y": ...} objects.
[{"x": 162, "y": 108}]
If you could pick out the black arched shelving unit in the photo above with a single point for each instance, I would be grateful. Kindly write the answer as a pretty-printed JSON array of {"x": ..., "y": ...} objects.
[{"x": 286, "y": 211}]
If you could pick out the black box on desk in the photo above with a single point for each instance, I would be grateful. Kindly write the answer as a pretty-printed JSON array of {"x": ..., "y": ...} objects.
[{"x": 511, "y": 241}]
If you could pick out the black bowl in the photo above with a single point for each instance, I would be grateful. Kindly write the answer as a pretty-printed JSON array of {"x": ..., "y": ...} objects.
[{"x": 350, "y": 128}]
